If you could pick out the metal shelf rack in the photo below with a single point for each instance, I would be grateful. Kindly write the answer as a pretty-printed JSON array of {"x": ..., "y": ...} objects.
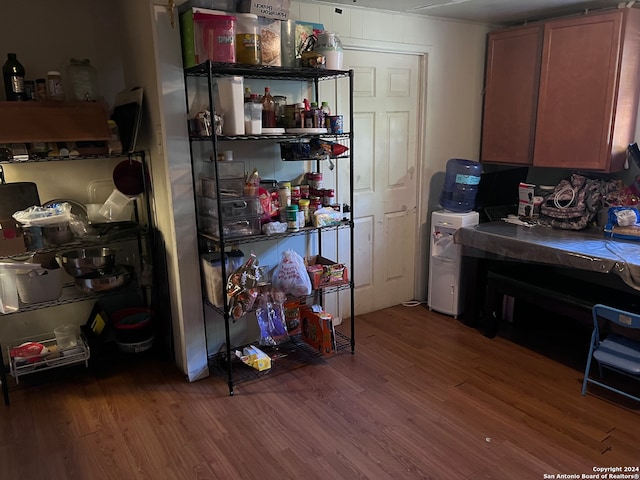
[{"x": 223, "y": 361}]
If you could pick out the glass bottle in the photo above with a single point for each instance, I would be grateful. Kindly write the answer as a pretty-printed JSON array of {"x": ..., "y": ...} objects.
[
  {"x": 268, "y": 110},
  {"x": 326, "y": 113},
  {"x": 13, "y": 74},
  {"x": 81, "y": 81}
]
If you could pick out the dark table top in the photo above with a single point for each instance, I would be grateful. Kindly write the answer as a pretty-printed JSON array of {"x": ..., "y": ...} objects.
[{"x": 586, "y": 249}]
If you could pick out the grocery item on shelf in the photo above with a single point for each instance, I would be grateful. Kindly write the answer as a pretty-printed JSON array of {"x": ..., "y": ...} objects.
[
  {"x": 81, "y": 81},
  {"x": 268, "y": 109},
  {"x": 248, "y": 39},
  {"x": 13, "y": 74}
]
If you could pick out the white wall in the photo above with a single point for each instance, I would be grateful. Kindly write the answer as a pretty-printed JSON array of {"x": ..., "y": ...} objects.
[{"x": 454, "y": 81}]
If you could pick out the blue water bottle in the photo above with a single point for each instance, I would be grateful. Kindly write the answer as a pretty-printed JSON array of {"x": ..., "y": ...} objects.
[{"x": 460, "y": 185}]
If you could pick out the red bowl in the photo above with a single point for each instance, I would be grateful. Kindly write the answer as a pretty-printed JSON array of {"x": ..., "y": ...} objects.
[{"x": 130, "y": 177}]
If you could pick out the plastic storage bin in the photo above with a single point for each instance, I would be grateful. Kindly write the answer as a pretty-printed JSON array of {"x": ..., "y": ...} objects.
[
  {"x": 215, "y": 37},
  {"x": 37, "y": 286},
  {"x": 230, "y": 207},
  {"x": 231, "y": 103},
  {"x": 212, "y": 277},
  {"x": 234, "y": 228},
  {"x": 234, "y": 169},
  {"x": 8, "y": 291},
  {"x": 229, "y": 187}
]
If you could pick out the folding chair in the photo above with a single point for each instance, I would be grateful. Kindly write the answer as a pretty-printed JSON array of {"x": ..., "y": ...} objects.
[{"x": 615, "y": 352}]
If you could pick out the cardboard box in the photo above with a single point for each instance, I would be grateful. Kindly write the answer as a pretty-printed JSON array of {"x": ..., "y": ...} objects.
[
  {"x": 278, "y": 9},
  {"x": 325, "y": 273},
  {"x": 303, "y": 31},
  {"x": 11, "y": 238},
  {"x": 317, "y": 329},
  {"x": 526, "y": 200},
  {"x": 292, "y": 315}
]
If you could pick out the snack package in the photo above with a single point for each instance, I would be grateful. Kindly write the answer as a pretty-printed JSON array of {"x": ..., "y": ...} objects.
[
  {"x": 271, "y": 320},
  {"x": 290, "y": 275},
  {"x": 242, "y": 287}
]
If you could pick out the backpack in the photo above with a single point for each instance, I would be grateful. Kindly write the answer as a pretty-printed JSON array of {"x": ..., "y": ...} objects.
[{"x": 573, "y": 203}]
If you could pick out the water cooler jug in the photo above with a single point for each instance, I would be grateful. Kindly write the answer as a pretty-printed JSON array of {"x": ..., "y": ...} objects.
[{"x": 445, "y": 263}]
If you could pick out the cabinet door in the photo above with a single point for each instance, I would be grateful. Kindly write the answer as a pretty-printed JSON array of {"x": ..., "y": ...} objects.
[
  {"x": 584, "y": 120},
  {"x": 511, "y": 95}
]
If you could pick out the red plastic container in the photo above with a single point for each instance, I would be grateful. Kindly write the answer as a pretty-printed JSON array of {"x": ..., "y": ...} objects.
[
  {"x": 215, "y": 37},
  {"x": 133, "y": 324}
]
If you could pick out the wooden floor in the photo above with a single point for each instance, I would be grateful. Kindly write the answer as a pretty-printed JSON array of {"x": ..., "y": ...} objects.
[{"x": 423, "y": 397}]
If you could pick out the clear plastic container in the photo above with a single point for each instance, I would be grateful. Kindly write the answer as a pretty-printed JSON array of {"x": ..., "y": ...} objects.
[
  {"x": 330, "y": 46},
  {"x": 81, "y": 81},
  {"x": 248, "y": 39},
  {"x": 460, "y": 185},
  {"x": 215, "y": 37}
]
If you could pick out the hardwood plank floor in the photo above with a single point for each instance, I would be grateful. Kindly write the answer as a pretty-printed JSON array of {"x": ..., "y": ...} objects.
[{"x": 423, "y": 397}]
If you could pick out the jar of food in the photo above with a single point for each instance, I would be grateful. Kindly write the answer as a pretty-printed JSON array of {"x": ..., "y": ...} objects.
[
  {"x": 55, "y": 88},
  {"x": 303, "y": 204},
  {"x": 248, "y": 39},
  {"x": 41, "y": 89},
  {"x": 328, "y": 197},
  {"x": 315, "y": 180},
  {"x": 81, "y": 81},
  {"x": 292, "y": 218}
]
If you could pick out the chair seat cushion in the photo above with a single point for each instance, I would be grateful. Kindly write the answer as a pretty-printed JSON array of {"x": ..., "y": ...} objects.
[{"x": 619, "y": 352}]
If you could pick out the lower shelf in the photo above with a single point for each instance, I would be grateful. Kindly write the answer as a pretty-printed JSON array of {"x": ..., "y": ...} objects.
[
  {"x": 294, "y": 353},
  {"x": 78, "y": 353}
]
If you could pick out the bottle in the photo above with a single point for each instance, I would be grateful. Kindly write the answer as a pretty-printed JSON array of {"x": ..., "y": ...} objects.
[
  {"x": 460, "y": 185},
  {"x": 268, "y": 110},
  {"x": 30, "y": 89},
  {"x": 326, "y": 113},
  {"x": 81, "y": 81},
  {"x": 310, "y": 115},
  {"x": 13, "y": 74},
  {"x": 54, "y": 85},
  {"x": 247, "y": 94},
  {"x": 41, "y": 89}
]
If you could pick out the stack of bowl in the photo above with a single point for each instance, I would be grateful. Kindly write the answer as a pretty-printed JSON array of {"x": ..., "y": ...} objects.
[{"x": 95, "y": 269}]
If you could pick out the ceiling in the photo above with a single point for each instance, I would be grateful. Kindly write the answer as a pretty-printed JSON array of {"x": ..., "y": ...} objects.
[{"x": 496, "y": 12}]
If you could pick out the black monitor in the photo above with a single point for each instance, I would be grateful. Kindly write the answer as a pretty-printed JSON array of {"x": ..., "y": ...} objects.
[{"x": 498, "y": 193}]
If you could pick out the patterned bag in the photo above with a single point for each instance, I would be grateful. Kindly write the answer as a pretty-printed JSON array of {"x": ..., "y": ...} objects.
[{"x": 573, "y": 203}]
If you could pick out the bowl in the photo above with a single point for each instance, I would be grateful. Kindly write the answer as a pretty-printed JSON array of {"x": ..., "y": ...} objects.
[
  {"x": 132, "y": 325},
  {"x": 57, "y": 234},
  {"x": 88, "y": 260},
  {"x": 130, "y": 177},
  {"x": 98, "y": 282}
]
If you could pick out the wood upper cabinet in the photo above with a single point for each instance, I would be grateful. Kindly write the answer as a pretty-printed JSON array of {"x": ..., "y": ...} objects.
[
  {"x": 589, "y": 85},
  {"x": 511, "y": 95},
  {"x": 563, "y": 93}
]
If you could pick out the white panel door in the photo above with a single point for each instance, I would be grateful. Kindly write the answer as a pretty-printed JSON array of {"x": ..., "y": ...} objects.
[{"x": 387, "y": 112}]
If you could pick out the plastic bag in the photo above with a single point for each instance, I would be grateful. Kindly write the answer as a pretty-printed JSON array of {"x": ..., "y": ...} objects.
[
  {"x": 37, "y": 216},
  {"x": 242, "y": 287},
  {"x": 271, "y": 319},
  {"x": 290, "y": 275}
]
